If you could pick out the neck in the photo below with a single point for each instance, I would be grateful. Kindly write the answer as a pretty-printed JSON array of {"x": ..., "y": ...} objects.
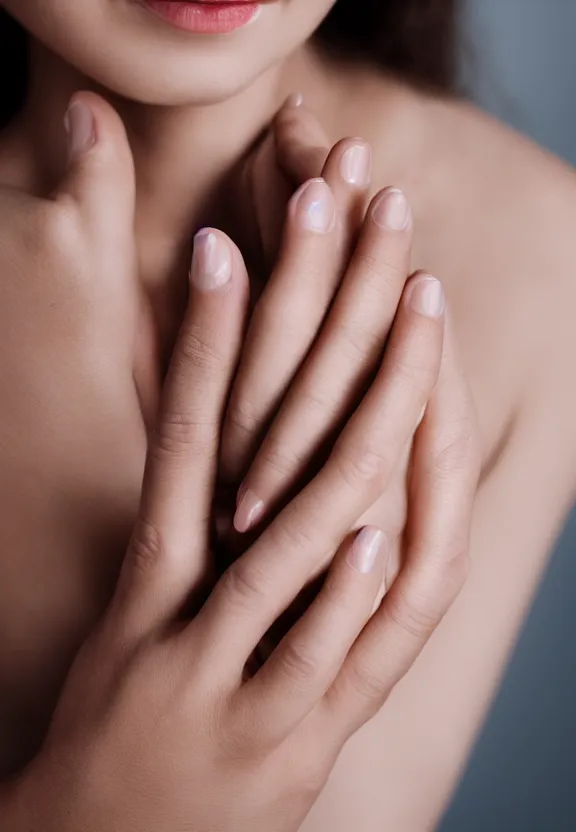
[{"x": 180, "y": 154}]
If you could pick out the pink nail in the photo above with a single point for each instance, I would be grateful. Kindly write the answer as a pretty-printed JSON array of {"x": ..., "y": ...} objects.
[
  {"x": 80, "y": 127},
  {"x": 356, "y": 165},
  {"x": 314, "y": 207},
  {"x": 426, "y": 296},
  {"x": 365, "y": 549},
  {"x": 392, "y": 211},
  {"x": 250, "y": 510},
  {"x": 211, "y": 261},
  {"x": 294, "y": 100}
]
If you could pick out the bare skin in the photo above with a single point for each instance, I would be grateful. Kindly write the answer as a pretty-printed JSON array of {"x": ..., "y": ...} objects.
[{"x": 494, "y": 217}]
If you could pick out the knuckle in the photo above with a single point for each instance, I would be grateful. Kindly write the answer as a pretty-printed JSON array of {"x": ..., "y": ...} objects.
[
  {"x": 243, "y": 417},
  {"x": 278, "y": 457},
  {"x": 363, "y": 464},
  {"x": 368, "y": 687},
  {"x": 146, "y": 547},
  {"x": 297, "y": 663},
  {"x": 197, "y": 346},
  {"x": 181, "y": 434},
  {"x": 455, "y": 573},
  {"x": 459, "y": 451},
  {"x": 292, "y": 534},
  {"x": 359, "y": 340},
  {"x": 245, "y": 585},
  {"x": 417, "y": 617}
]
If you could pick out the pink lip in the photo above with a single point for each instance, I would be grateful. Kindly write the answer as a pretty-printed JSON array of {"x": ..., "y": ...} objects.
[{"x": 208, "y": 17}]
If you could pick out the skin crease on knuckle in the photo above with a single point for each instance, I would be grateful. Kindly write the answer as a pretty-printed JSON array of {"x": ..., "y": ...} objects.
[{"x": 79, "y": 254}]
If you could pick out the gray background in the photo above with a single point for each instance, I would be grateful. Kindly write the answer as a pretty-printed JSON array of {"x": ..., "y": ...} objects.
[{"x": 520, "y": 61}]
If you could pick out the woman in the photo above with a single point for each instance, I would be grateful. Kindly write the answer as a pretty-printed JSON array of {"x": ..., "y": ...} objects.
[{"x": 492, "y": 215}]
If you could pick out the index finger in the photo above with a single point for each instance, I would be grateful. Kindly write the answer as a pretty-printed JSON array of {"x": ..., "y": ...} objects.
[{"x": 167, "y": 557}]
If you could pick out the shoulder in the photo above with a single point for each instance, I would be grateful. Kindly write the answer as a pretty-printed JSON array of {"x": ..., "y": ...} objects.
[{"x": 495, "y": 218}]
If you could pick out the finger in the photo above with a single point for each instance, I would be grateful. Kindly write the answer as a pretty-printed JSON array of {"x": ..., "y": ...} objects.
[
  {"x": 342, "y": 360},
  {"x": 300, "y": 541},
  {"x": 306, "y": 662},
  {"x": 167, "y": 557},
  {"x": 299, "y": 292},
  {"x": 290, "y": 154},
  {"x": 307, "y": 261},
  {"x": 100, "y": 175},
  {"x": 444, "y": 478},
  {"x": 302, "y": 144}
]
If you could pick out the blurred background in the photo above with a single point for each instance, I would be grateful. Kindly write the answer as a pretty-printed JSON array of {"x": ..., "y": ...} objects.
[{"x": 519, "y": 62}]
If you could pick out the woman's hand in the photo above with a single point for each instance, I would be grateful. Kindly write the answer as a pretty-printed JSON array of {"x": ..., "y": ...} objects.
[
  {"x": 72, "y": 433},
  {"x": 160, "y": 725},
  {"x": 320, "y": 230},
  {"x": 315, "y": 340}
]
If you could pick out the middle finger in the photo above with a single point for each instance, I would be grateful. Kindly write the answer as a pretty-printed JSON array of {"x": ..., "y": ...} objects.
[
  {"x": 342, "y": 360},
  {"x": 324, "y": 216}
]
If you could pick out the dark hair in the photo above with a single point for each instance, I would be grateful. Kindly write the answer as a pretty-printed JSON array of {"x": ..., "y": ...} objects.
[{"x": 416, "y": 39}]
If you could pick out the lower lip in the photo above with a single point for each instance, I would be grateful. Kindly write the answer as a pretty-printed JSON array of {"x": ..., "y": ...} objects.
[{"x": 205, "y": 18}]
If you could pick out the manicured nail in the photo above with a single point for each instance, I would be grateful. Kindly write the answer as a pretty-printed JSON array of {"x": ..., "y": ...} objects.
[
  {"x": 356, "y": 165},
  {"x": 211, "y": 261},
  {"x": 249, "y": 511},
  {"x": 365, "y": 549},
  {"x": 392, "y": 211},
  {"x": 421, "y": 417},
  {"x": 80, "y": 127},
  {"x": 380, "y": 597},
  {"x": 315, "y": 207},
  {"x": 294, "y": 100},
  {"x": 426, "y": 296}
]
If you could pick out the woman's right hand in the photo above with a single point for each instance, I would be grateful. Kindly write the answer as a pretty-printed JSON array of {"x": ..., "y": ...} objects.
[{"x": 159, "y": 725}]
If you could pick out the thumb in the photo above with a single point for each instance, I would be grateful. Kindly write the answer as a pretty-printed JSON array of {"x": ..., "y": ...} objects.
[{"x": 100, "y": 175}]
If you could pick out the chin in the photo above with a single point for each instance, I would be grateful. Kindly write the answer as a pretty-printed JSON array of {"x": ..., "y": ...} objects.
[{"x": 127, "y": 47}]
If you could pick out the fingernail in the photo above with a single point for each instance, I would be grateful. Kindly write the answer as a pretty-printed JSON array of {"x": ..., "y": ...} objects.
[
  {"x": 80, "y": 127},
  {"x": 365, "y": 549},
  {"x": 421, "y": 417},
  {"x": 211, "y": 261},
  {"x": 250, "y": 509},
  {"x": 356, "y": 165},
  {"x": 379, "y": 597},
  {"x": 427, "y": 297},
  {"x": 392, "y": 211},
  {"x": 314, "y": 207},
  {"x": 294, "y": 100}
]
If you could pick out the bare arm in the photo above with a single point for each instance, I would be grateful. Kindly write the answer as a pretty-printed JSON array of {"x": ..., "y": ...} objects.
[{"x": 422, "y": 738}]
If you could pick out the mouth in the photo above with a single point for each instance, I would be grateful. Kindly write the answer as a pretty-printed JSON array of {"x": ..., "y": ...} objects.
[{"x": 206, "y": 17}]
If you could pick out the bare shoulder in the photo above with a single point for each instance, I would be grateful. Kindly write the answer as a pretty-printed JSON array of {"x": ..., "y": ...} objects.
[{"x": 495, "y": 219}]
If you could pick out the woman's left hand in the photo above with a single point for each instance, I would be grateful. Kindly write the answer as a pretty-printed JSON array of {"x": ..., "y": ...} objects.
[{"x": 314, "y": 341}]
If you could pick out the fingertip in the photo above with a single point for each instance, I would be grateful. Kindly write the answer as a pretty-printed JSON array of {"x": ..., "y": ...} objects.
[
  {"x": 351, "y": 160},
  {"x": 249, "y": 510},
  {"x": 368, "y": 549},
  {"x": 100, "y": 171},
  {"x": 211, "y": 267},
  {"x": 425, "y": 295},
  {"x": 391, "y": 210},
  {"x": 294, "y": 100},
  {"x": 80, "y": 127}
]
